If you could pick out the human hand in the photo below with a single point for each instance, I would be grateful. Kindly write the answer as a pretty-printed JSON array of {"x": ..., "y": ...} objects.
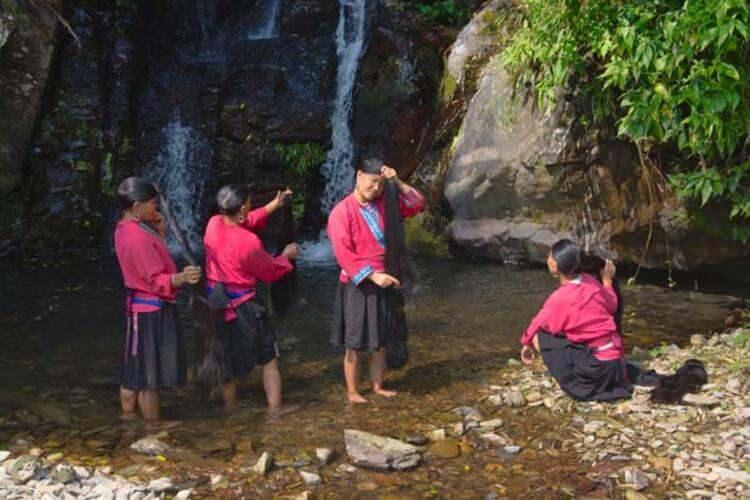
[
  {"x": 388, "y": 172},
  {"x": 384, "y": 280},
  {"x": 280, "y": 199},
  {"x": 291, "y": 251},
  {"x": 608, "y": 273},
  {"x": 190, "y": 274},
  {"x": 528, "y": 354}
]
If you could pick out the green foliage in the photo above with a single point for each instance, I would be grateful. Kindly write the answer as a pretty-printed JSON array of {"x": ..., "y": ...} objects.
[
  {"x": 443, "y": 11},
  {"x": 669, "y": 73},
  {"x": 300, "y": 159}
]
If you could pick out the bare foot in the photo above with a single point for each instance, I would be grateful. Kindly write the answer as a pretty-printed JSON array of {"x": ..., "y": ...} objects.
[
  {"x": 162, "y": 424},
  {"x": 385, "y": 393},
  {"x": 356, "y": 398},
  {"x": 276, "y": 414},
  {"x": 129, "y": 416}
]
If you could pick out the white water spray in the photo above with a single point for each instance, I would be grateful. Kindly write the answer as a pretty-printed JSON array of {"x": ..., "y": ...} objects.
[
  {"x": 337, "y": 169},
  {"x": 178, "y": 173},
  {"x": 268, "y": 22}
]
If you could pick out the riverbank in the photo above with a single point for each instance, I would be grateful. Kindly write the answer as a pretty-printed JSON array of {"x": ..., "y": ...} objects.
[{"x": 521, "y": 421}]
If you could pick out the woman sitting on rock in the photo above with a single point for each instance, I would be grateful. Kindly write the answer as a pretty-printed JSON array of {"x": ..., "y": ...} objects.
[{"x": 577, "y": 335}]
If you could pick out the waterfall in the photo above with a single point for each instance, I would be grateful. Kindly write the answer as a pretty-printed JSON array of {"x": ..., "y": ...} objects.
[
  {"x": 178, "y": 173},
  {"x": 268, "y": 22},
  {"x": 337, "y": 169},
  {"x": 350, "y": 36}
]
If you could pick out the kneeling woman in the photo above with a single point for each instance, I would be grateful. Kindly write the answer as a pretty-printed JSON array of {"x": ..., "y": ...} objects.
[
  {"x": 576, "y": 333},
  {"x": 236, "y": 260},
  {"x": 154, "y": 356}
]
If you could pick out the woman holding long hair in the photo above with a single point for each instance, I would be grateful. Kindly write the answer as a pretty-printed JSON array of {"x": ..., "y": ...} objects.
[
  {"x": 154, "y": 351},
  {"x": 235, "y": 261},
  {"x": 368, "y": 318}
]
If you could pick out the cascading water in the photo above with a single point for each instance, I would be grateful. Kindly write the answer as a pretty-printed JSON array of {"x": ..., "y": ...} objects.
[
  {"x": 268, "y": 25},
  {"x": 178, "y": 173},
  {"x": 337, "y": 170}
]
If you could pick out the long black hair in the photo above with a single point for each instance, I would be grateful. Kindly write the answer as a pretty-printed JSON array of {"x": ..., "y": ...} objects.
[
  {"x": 135, "y": 189},
  {"x": 397, "y": 264},
  {"x": 231, "y": 197},
  {"x": 567, "y": 254}
]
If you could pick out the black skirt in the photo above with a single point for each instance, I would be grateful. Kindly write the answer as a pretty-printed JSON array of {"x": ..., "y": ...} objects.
[
  {"x": 584, "y": 377},
  {"x": 368, "y": 318},
  {"x": 247, "y": 340},
  {"x": 154, "y": 353}
]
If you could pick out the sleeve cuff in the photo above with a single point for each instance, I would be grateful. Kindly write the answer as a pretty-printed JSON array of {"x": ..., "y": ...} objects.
[{"x": 362, "y": 274}]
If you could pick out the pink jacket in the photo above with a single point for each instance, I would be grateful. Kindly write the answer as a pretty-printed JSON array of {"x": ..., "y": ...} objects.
[
  {"x": 583, "y": 311},
  {"x": 357, "y": 233}
]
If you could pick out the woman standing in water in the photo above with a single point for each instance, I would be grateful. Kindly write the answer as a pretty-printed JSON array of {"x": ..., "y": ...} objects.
[
  {"x": 154, "y": 353},
  {"x": 235, "y": 261},
  {"x": 358, "y": 230}
]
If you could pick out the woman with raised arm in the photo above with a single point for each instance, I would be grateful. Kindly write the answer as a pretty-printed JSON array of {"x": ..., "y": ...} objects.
[
  {"x": 154, "y": 353},
  {"x": 235, "y": 261},
  {"x": 364, "y": 321}
]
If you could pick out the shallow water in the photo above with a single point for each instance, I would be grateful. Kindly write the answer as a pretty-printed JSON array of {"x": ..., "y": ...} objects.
[{"x": 61, "y": 332}]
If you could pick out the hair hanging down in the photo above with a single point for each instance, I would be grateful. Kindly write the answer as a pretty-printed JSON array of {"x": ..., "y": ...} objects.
[
  {"x": 231, "y": 197},
  {"x": 135, "y": 189},
  {"x": 567, "y": 254}
]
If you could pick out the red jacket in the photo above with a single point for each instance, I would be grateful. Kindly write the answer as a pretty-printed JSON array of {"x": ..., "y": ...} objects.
[
  {"x": 582, "y": 311},
  {"x": 235, "y": 256},
  {"x": 146, "y": 265},
  {"x": 357, "y": 233}
]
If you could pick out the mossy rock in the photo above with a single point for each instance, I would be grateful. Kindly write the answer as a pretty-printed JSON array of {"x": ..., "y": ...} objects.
[{"x": 421, "y": 240}]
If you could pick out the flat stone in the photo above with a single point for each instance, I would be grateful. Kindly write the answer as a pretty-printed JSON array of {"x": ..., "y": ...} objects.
[
  {"x": 459, "y": 429},
  {"x": 735, "y": 476},
  {"x": 183, "y": 494},
  {"x": 380, "y": 453},
  {"x": 25, "y": 468},
  {"x": 264, "y": 464},
  {"x": 514, "y": 399},
  {"x": 512, "y": 450},
  {"x": 417, "y": 439},
  {"x": 325, "y": 455},
  {"x": 160, "y": 485},
  {"x": 445, "y": 448},
  {"x": 4, "y": 455},
  {"x": 310, "y": 478},
  {"x": 64, "y": 473},
  {"x": 437, "y": 434},
  {"x": 54, "y": 457},
  {"x": 701, "y": 400},
  {"x": 150, "y": 445},
  {"x": 697, "y": 340},
  {"x": 533, "y": 397},
  {"x": 468, "y": 412},
  {"x": 635, "y": 478},
  {"x": 491, "y": 424}
]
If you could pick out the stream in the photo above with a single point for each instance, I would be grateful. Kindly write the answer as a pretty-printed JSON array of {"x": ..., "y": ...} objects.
[{"x": 61, "y": 341}]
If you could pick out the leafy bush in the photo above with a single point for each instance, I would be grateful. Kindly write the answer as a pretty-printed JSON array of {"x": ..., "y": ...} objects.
[
  {"x": 443, "y": 11},
  {"x": 671, "y": 74}
]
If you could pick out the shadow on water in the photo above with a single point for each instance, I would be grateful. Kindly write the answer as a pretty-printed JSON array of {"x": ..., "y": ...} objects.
[{"x": 61, "y": 330}]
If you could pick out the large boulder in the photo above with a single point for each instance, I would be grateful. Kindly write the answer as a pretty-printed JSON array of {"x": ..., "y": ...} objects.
[{"x": 521, "y": 177}]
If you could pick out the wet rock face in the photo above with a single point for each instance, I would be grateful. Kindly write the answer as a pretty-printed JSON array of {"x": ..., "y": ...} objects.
[
  {"x": 26, "y": 51},
  {"x": 398, "y": 80},
  {"x": 520, "y": 178}
]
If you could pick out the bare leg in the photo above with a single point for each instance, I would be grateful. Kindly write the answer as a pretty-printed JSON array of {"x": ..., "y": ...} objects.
[
  {"x": 377, "y": 371},
  {"x": 128, "y": 401},
  {"x": 148, "y": 402},
  {"x": 229, "y": 394},
  {"x": 272, "y": 385},
  {"x": 351, "y": 374}
]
